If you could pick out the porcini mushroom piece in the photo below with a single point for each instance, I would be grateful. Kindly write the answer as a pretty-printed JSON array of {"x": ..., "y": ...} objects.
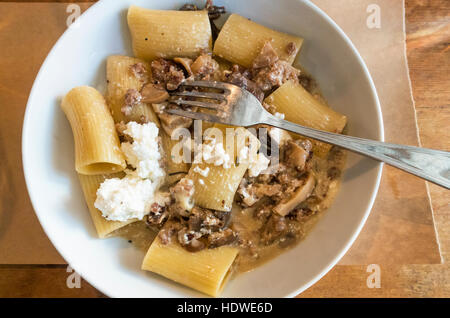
[
  {"x": 301, "y": 194},
  {"x": 172, "y": 122},
  {"x": 296, "y": 154},
  {"x": 204, "y": 65},
  {"x": 185, "y": 62},
  {"x": 153, "y": 94}
]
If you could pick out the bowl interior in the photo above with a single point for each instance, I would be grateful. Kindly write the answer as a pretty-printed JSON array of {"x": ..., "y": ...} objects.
[{"x": 113, "y": 265}]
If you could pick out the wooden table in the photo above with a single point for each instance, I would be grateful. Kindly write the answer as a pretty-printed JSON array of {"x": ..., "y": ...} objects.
[{"x": 428, "y": 50}]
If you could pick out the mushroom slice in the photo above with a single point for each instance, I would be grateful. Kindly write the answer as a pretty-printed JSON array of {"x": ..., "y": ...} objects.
[
  {"x": 159, "y": 108},
  {"x": 185, "y": 62},
  {"x": 301, "y": 194},
  {"x": 204, "y": 66},
  {"x": 153, "y": 94},
  {"x": 297, "y": 153},
  {"x": 172, "y": 122}
]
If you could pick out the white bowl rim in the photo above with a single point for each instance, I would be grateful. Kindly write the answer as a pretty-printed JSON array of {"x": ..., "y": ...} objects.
[{"x": 312, "y": 281}]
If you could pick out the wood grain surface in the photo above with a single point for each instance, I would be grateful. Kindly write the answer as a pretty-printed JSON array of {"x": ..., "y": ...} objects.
[{"x": 428, "y": 50}]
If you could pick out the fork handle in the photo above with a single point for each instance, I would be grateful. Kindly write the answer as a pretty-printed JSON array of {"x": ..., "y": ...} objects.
[{"x": 429, "y": 164}]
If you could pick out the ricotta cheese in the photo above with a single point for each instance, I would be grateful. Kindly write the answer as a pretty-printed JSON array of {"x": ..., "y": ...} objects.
[
  {"x": 214, "y": 153},
  {"x": 203, "y": 172},
  {"x": 278, "y": 135},
  {"x": 132, "y": 196},
  {"x": 279, "y": 115},
  {"x": 143, "y": 153},
  {"x": 243, "y": 154},
  {"x": 128, "y": 198},
  {"x": 258, "y": 165}
]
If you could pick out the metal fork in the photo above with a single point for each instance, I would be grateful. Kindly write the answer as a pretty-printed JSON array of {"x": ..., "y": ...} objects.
[{"x": 245, "y": 110}]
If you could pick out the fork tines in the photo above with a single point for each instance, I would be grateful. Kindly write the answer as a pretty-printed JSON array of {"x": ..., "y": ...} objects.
[
  {"x": 199, "y": 94},
  {"x": 207, "y": 84},
  {"x": 184, "y": 102},
  {"x": 218, "y": 100},
  {"x": 195, "y": 115}
]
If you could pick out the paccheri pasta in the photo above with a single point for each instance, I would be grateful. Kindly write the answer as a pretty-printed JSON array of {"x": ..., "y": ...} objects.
[{"x": 221, "y": 200}]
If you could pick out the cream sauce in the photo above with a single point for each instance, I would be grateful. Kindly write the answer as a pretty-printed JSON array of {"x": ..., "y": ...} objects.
[{"x": 248, "y": 226}]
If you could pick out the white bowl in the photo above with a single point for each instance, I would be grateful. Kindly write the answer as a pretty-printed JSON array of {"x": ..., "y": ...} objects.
[{"x": 113, "y": 265}]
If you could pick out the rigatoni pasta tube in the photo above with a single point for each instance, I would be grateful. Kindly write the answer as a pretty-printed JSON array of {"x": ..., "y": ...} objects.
[
  {"x": 169, "y": 34},
  {"x": 300, "y": 107},
  {"x": 90, "y": 185},
  {"x": 216, "y": 186},
  {"x": 174, "y": 162},
  {"x": 120, "y": 79},
  {"x": 217, "y": 190},
  {"x": 97, "y": 148},
  {"x": 240, "y": 41},
  {"x": 206, "y": 271}
]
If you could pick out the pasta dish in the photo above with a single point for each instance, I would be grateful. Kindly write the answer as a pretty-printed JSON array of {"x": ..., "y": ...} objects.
[{"x": 204, "y": 201}]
